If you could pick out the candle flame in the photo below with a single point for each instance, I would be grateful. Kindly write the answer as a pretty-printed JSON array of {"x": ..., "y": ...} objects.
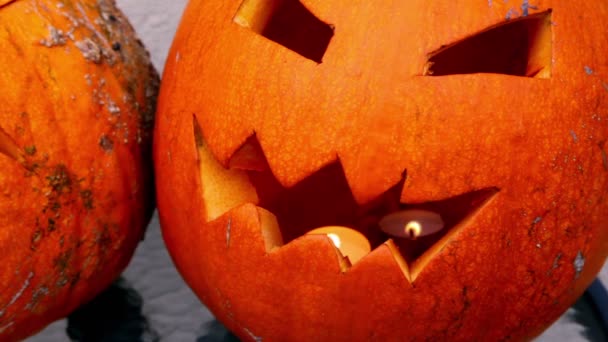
[
  {"x": 335, "y": 239},
  {"x": 413, "y": 229},
  {"x": 411, "y": 223},
  {"x": 351, "y": 244}
]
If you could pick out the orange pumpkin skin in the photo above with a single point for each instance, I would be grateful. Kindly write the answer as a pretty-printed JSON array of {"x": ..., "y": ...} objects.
[
  {"x": 76, "y": 114},
  {"x": 539, "y": 144}
]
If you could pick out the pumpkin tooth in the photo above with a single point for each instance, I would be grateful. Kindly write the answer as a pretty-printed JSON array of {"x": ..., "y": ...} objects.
[
  {"x": 273, "y": 240},
  {"x": 401, "y": 262},
  {"x": 311, "y": 247},
  {"x": 271, "y": 233},
  {"x": 249, "y": 156},
  {"x": 222, "y": 189},
  {"x": 439, "y": 219},
  {"x": 476, "y": 202},
  {"x": 413, "y": 255}
]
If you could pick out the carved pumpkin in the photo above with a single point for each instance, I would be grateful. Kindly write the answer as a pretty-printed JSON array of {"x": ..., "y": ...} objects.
[
  {"x": 76, "y": 113},
  {"x": 387, "y": 170}
]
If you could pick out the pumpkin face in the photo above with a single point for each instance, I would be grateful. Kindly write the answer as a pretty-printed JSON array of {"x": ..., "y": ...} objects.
[
  {"x": 76, "y": 116},
  {"x": 339, "y": 170}
]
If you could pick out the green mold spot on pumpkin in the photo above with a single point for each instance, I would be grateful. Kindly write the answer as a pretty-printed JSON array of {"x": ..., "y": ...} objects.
[
  {"x": 30, "y": 150},
  {"x": 52, "y": 225},
  {"x": 37, "y": 296},
  {"x": 59, "y": 179},
  {"x": 106, "y": 143},
  {"x": 62, "y": 261},
  {"x": 103, "y": 236},
  {"x": 87, "y": 198},
  {"x": 35, "y": 239}
]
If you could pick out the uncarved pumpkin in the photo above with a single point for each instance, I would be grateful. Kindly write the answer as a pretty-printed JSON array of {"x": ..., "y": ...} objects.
[
  {"x": 76, "y": 112},
  {"x": 463, "y": 142}
]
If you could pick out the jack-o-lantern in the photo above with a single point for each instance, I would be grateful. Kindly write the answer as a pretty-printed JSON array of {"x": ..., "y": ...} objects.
[
  {"x": 386, "y": 170},
  {"x": 77, "y": 95}
]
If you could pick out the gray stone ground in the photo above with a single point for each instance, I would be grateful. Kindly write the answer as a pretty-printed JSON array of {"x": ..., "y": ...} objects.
[{"x": 168, "y": 311}]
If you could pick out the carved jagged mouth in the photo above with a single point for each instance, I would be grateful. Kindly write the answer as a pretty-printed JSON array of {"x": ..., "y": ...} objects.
[{"x": 324, "y": 199}]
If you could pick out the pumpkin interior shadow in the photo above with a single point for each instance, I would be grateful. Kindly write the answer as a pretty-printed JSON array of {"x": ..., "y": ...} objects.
[{"x": 325, "y": 199}]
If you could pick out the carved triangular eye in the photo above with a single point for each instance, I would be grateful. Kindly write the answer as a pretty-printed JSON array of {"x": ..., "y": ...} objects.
[
  {"x": 518, "y": 47},
  {"x": 288, "y": 23}
]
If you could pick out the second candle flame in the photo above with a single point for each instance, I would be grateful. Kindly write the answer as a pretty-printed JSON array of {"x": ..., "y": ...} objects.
[{"x": 411, "y": 223}]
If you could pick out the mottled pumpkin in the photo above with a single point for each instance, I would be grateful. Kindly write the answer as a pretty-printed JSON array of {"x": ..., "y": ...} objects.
[
  {"x": 386, "y": 170},
  {"x": 76, "y": 191}
]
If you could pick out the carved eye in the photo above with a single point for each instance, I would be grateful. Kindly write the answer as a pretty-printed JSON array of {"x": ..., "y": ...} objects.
[
  {"x": 517, "y": 47},
  {"x": 289, "y": 23}
]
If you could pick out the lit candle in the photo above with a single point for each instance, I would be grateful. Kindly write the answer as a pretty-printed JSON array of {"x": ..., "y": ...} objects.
[
  {"x": 349, "y": 242},
  {"x": 411, "y": 223}
]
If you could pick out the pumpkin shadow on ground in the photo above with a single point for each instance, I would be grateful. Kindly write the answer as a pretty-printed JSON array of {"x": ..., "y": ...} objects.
[
  {"x": 591, "y": 312},
  {"x": 599, "y": 294},
  {"x": 214, "y": 331},
  {"x": 114, "y": 315}
]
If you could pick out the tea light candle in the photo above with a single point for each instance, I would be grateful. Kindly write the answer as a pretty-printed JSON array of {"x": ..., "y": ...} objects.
[
  {"x": 411, "y": 223},
  {"x": 350, "y": 242}
]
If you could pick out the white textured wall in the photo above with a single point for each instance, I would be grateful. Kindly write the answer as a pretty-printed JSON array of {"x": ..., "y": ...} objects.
[{"x": 155, "y": 22}]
